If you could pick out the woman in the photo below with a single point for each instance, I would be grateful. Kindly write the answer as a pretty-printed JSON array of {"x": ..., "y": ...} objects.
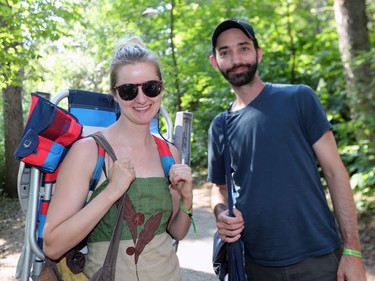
[{"x": 136, "y": 85}]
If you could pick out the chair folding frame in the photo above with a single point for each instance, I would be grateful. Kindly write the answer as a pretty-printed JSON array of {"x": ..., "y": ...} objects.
[{"x": 31, "y": 189}]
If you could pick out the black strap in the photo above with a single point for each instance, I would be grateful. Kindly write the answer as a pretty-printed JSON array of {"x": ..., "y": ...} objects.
[
  {"x": 228, "y": 174},
  {"x": 108, "y": 270}
]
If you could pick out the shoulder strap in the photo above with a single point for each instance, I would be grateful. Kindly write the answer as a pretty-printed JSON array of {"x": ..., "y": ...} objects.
[
  {"x": 102, "y": 141},
  {"x": 103, "y": 146},
  {"x": 107, "y": 271},
  {"x": 165, "y": 154},
  {"x": 98, "y": 169},
  {"x": 228, "y": 175}
]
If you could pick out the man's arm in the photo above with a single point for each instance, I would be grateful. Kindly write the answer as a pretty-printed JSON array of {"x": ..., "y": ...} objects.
[
  {"x": 337, "y": 178},
  {"x": 219, "y": 197}
]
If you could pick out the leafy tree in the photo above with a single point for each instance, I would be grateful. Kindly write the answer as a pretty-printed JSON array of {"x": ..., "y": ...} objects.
[
  {"x": 299, "y": 41},
  {"x": 355, "y": 47},
  {"x": 22, "y": 24}
]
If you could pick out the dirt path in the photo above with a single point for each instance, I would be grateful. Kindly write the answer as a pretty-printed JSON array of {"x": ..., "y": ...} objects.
[{"x": 194, "y": 254}]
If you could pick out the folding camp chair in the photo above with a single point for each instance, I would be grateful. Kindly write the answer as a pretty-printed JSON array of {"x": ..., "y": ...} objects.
[{"x": 35, "y": 187}]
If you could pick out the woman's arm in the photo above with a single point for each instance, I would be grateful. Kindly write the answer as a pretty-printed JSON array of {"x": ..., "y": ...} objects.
[
  {"x": 181, "y": 189},
  {"x": 67, "y": 223}
]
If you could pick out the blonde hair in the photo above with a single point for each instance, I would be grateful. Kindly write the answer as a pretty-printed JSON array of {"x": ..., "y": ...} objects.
[{"x": 131, "y": 51}]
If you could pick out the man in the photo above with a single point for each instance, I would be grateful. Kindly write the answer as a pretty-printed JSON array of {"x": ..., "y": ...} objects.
[{"x": 276, "y": 133}]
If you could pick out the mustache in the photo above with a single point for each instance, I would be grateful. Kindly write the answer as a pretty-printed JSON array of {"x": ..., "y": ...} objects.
[{"x": 236, "y": 66}]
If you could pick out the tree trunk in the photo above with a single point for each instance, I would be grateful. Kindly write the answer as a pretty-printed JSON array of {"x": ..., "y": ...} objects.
[
  {"x": 13, "y": 129},
  {"x": 174, "y": 59},
  {"x": 354, "y": 41}
]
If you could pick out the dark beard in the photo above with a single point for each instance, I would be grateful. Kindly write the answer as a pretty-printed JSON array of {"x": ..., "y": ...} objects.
[{"x": 240, "y": 79}]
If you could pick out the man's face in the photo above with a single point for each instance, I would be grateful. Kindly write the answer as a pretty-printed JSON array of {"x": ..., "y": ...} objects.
[
  {"x": 240, "y": 78},
  {"x": 236, "y": 57}
]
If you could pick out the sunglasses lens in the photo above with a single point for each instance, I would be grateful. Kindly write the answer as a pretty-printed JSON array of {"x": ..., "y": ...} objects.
[
  {"x": 152, "y": 88},
  {"x": 128, "y": 91}
]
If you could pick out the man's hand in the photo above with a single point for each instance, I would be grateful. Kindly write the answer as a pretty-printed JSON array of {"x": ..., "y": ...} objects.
[
  {"x": 351, "y": 269},
  {"x": 230, "y": 228}
]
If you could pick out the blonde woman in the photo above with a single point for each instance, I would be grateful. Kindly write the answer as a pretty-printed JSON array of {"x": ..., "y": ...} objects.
[{"x": 159, "y": 207}]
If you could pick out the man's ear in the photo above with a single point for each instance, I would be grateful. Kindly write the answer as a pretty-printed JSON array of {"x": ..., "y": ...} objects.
[{"x": 214, "y": 62}]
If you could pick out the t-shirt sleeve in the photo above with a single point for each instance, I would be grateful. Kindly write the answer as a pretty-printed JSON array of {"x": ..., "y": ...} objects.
[
  {"x": 312, "y": 114},
  {"x": 216, "y": 170}
]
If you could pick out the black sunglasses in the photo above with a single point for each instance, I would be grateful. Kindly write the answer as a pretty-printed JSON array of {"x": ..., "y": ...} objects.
[{"x": 150, "y": 88}]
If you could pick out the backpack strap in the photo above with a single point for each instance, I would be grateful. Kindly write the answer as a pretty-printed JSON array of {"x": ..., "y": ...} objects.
[
  {"x": 100, "y": 164},
  {"x": 98, "y": 169},
  {"x": 165, "y": 154}
]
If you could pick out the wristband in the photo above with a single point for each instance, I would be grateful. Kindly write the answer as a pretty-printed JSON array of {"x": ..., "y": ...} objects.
[
  {"x": 190, "y": 214},
  {"x": 351, "y": 252}
]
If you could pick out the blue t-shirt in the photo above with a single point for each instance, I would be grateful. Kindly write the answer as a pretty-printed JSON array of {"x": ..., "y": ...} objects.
[{"x": 286, "y": 214}]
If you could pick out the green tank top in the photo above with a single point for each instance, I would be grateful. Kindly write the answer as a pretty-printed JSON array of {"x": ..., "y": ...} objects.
[{"x": 148, "y": 208}]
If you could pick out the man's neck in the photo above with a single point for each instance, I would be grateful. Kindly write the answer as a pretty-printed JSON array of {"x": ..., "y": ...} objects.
[{"x": 247, "y": 93}]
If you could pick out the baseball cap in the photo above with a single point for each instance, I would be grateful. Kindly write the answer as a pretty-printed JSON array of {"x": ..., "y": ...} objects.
[{"x": 234, "y": 23}]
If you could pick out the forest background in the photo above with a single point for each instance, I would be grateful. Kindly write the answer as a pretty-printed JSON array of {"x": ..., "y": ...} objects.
[{"x": 54, "y": 45}]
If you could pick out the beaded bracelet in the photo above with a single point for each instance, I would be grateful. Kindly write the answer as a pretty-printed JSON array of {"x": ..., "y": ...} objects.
[
  {"x": 190, "y": 214},
  {"x": 351, "y": 252}
]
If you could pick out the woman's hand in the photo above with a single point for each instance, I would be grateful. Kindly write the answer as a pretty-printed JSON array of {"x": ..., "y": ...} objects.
[
  {"x": 182, "y": 180},
  {"x": 182, "y": 192},
  {"x": 121, "y": 175}
]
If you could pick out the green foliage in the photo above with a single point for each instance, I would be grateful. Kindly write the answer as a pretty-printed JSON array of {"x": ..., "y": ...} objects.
[
  {"x": 358, "y": 158},
  {"x": 22, "y": 25},
  {"x": 2, "y": 152},
  {"x": 299, "y": 41}
]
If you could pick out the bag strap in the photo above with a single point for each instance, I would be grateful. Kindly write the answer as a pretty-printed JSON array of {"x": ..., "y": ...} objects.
[
  {"x": 102, "y": 141},
  {"x": 98, "y": 170},
  {"x": 103, "y": 146},
  {"x": 108, "y": 270},
  {"x": 228, "y": 174}
]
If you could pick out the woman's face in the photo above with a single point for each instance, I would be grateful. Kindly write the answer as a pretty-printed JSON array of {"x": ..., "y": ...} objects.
[{"x": 142, "y": 108}]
